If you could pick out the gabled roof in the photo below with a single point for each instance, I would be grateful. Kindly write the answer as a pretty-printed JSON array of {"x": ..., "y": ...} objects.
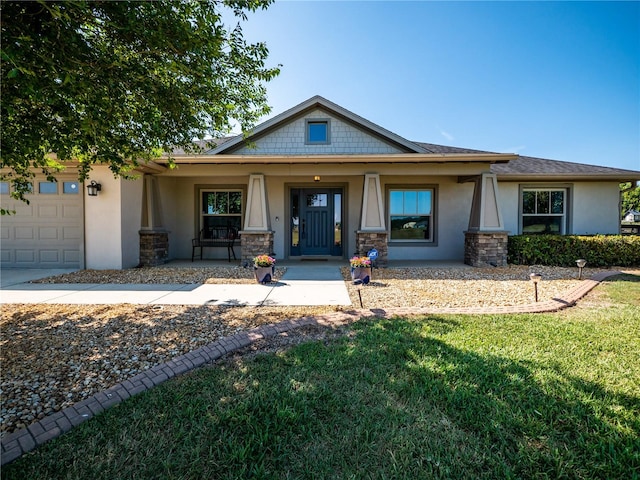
[
  {"x": 331, "y": 108},
  {"x": 507, "y": 166},
  {"x": 532, "y": 168}
]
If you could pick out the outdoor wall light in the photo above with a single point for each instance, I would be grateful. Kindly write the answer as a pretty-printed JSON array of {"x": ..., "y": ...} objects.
[
  {"x": 316, "y": 178},
  {"x": 535, "y": 278},
  {"x": 581, "y": 262},
  {"x": 93, "y": 188}
]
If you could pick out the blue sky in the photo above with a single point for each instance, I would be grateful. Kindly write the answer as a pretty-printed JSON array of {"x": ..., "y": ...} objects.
[{"x": 557, "y": 80}]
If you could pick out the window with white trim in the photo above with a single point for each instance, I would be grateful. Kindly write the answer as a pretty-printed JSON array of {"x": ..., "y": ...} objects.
[
  {"x": 411, "y": 214},
  {"x": 544, "y": 211},
  {"x": 220, "y": 208}
]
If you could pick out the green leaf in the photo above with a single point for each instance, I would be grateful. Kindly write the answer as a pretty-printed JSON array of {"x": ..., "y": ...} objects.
[{"x": 99, "y": 83}]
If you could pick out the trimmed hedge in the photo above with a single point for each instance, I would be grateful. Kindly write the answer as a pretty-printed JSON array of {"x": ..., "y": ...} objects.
[{"x": 564, "y": 250}]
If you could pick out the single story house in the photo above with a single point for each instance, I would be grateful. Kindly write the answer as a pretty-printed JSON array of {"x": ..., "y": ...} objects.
[
  {"x": 631, "y": 216},
  {"x": 316, "y": 181}
]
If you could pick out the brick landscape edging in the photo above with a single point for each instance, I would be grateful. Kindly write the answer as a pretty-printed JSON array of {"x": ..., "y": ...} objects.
[{"x": 22, "y": 441}]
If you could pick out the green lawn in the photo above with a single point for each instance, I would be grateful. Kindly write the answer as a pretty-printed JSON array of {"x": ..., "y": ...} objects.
[{"x": 464, "y": 397}]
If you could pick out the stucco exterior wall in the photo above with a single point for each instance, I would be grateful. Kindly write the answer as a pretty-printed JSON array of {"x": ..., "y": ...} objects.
[
  {"x": 453, "y": 207},
  {"x": 508, "y": 198},
  {"x": 131, "y": 208},
  {"x": 112, "y": 222},
  {"x": 102, "y": 223},
  {"x": 594, "y": 207},
  {"x": 290, "y": 139}
]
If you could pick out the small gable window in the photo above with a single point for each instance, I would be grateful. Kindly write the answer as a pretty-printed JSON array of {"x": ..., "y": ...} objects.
[{"x": 317, "y": 132}]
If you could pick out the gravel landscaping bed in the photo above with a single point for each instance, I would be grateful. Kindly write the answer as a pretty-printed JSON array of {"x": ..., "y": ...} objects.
[
  {"x": 56, "y": 355},
  {"x": 462, "y": 287},
  {"x": 161, "y": 275}
]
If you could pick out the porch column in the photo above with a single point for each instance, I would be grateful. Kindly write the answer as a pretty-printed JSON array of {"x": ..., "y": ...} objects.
[
  {"x": 486, "y": 239},
  {"x": 257, "y": 237},
  {"x": 373, "y": 232},
  {"x": 154, "y": 238}
]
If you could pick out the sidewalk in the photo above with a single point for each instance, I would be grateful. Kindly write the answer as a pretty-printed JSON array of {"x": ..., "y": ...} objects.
[{"x": 299, "y": 286}]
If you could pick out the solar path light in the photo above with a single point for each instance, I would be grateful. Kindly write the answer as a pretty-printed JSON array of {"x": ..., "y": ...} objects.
[
  {"x": 581, "y": 262},
  {"x": 535, "y": 278}
]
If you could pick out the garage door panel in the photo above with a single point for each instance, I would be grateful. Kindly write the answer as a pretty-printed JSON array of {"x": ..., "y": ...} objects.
[
  {"x": 48, "y": 256},
  {"x": 71, "y": 212},
  {"x": 48, "y": 211},
  {"x": 23, "y": 210},
  {"x": 24, "y": 233},
  {"x": 71, "y": 257},
  {"x": 46, "y": 233},
  {"x": 25, "y": 256},
  {"x": 71, "y": 233}
]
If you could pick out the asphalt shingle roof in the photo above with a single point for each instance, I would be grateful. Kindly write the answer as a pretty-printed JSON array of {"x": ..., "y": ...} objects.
[
  {"x": 433, "y": 148},
  {"x": 544, "y": 167},
  {"x": 204, "y": 145}
]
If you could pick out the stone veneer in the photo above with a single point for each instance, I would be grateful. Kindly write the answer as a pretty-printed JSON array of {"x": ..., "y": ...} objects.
[
  {"x": 256, "y": 243},
  {"x": 154, "y": 247},
  {"x": 483, "y": 249},
  {"x": 366, "y": 240}
]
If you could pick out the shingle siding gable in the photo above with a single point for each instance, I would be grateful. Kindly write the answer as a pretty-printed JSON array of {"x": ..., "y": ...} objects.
[{"x": 289, "y": 139}]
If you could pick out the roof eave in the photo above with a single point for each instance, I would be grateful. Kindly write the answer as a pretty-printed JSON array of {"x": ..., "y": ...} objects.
[
  {"x": 341, "y": 159},
  {"x": 538, "y": 177}
]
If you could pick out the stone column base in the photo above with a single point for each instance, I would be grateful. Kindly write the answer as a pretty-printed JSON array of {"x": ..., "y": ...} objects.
[
  {"x": 366, "y": 240},
  {"x": 255, "y": 243},
  {"x": 154, "y": 247},
  {"x": 485, "y": 249}
]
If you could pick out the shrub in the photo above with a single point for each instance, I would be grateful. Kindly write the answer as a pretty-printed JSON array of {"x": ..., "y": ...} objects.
[{"x": 564, "y": 250}]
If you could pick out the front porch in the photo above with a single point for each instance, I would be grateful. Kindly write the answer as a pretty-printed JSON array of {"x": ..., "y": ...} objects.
[{"x": 335, "y": 218}]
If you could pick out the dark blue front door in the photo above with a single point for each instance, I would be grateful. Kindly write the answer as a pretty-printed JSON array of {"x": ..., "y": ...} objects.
[{"x": 316, "y": 222}]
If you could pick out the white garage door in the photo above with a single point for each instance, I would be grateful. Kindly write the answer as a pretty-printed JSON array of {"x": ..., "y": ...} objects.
[{"x": 47, "y": 233}]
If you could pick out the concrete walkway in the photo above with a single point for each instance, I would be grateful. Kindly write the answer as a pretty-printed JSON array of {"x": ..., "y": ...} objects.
[
  {"x": 299, "y": 286},
  {"x": 22, "y": 441}
]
